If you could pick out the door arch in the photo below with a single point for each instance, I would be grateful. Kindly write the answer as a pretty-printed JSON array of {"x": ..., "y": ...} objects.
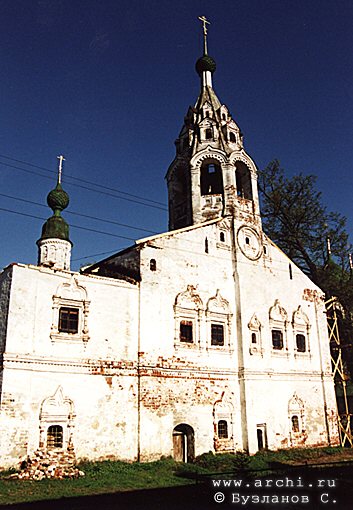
[{"x": 183, "y": 443}]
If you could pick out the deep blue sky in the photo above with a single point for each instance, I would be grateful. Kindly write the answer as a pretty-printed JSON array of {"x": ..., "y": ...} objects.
[{"x": 107, "y": 83}]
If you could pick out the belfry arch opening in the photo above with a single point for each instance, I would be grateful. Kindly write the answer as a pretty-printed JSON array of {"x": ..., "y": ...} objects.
[
  {"x": 183, "y": 443},
  {"x": 211, "y": 180},
  {"x": 243, "y": 180},
  {"x": 179, "y": 196}
]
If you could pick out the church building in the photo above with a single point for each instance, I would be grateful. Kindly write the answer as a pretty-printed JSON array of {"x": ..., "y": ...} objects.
[{"x": 203, "y": 338}]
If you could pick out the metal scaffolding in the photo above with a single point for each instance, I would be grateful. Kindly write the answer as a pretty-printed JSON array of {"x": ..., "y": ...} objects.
[{"x": 334, "y": 311}]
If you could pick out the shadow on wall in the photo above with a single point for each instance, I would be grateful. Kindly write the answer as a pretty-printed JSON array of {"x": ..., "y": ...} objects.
[{"x": 5, "y": 289}]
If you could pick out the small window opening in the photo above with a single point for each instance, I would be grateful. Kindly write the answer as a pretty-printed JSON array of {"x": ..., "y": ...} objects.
[
  {"x": 217, "y": 334},
  {"x": 208, "y": 134},
  {"x": 265, "y": 250},
  {"x": 186, "y": 332},
  {"x": 55, "y": 437},
  {"x": 224, "y": 116},
  {"x": 222, "y": 237},
  {"x": 68, "y": 320},
  {"x": 206, "y": 245},
  {"x": 290, "y": 272},
  {"x": 253, "y": 338},
  {"x": 247, "y": 240},
  {"x": 153, "y": 265},
  {"x": 207, "y": 114},
  {"x": 277, "y": 339},
  {"x": 222, "y": 429},
  {"x": 232, "y": 137},
  {"x": 300, "y": 341},
  {"x": 295, "y": 423}
]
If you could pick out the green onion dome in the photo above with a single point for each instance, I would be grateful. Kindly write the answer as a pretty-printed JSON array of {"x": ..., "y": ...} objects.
[
  {"x": 56, "y": 227},
  {"x": 58, "y": 199},
  {"x": 205, "y": 63}
]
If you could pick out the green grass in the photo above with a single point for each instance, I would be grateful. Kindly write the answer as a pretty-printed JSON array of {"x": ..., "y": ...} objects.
[
  {"x": 101, "y": 477},
  {"x": 114, "y": 476}
]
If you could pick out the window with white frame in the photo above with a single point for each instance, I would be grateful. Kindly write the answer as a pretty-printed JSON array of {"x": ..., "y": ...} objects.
[
  {"x": 254, "y": 326},
  {"x": 56, "y": 421},
  {"x": 278, "y": 328},
  {"x": 223, "y": 412},
  {"x": 301, "y": 332},
  {"x": 296, "y": 418},
  {"x": 188, "y": 310},
  {"x": 218, "y": 320},
  {"x": 70, "y": 308}
]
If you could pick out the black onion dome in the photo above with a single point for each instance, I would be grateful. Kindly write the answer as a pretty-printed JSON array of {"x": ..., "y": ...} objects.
[
  {"x": 205, "y": 63},
  {"x": 58, "y": 199}
]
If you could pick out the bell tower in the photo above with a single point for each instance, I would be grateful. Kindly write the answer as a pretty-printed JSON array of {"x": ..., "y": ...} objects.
[{"x": 212, "y": 175}]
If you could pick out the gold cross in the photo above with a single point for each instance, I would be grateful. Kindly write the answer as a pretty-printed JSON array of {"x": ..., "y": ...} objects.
[
  {"x": 61, "y": 159},
  {"x": 204, "y": 22}
]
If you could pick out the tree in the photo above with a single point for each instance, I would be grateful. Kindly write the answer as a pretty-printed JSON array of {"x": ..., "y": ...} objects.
[{"x": 295, "y": 218}]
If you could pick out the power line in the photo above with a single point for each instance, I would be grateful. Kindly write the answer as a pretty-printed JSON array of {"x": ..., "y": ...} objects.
[
  {"x": 83, "y": 180},
  {"x": 71, "y": 225},
  {"x": 87, "y": 188},
  {"x": 79, "y": 214},
  {"x": 193, "y": 252}
]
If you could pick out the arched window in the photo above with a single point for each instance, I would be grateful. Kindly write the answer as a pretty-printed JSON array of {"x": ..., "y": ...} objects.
[
  {"x": 222, "y": 429},
  {"x": 232, "y": 137},
  {"x": 295, "y": 423},
  {"x": 222, "y": 237},
  {"x": 153, "y": 265},
  {"x": 253, "y": 338},
  {"x": 55, "y": 437},
  {"x": 243, "y": 181},
  {"x": 211, "y": 179},
  {"x": 206, "y": 245}
]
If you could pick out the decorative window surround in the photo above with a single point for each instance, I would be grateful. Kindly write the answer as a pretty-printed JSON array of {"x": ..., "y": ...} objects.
[
  {"x": 255, "y": 334},
  {"x": 279, "y": 322},
  {"x": 296, "y": 421},
  {"x": 70, "y": 295},
  {"x": 223, "y": 411},
  {"x": 218, "y": 313},
  {"x": 188, "y": 307},
  {"x": 301, "y": 326},
  {"x": 56, "y": 411}
]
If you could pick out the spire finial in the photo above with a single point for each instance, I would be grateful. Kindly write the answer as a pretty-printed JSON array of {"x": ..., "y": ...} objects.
[
  {"x": 60, "y": 169},
  {"x": 205, "y": 22}
]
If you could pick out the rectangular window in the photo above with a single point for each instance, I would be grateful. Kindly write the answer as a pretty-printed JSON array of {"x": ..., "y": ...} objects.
[
  {"x": 55, "y": 437},
  {"x": 300, "y": 340},
  {"x": 217, "y": 334},
  {"x": 68, "y": 320},
  {"x": 186, "y": 332},
  {"x": 277, "y": 339}
]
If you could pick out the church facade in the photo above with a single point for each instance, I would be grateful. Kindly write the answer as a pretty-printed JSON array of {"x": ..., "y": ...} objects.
[{"x": 203, "y": 338}]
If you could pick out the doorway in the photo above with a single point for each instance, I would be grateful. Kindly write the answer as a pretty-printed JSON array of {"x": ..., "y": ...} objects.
[
  {"x": 183, "y": 443},
  {"x": 261, "y": 436}
]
